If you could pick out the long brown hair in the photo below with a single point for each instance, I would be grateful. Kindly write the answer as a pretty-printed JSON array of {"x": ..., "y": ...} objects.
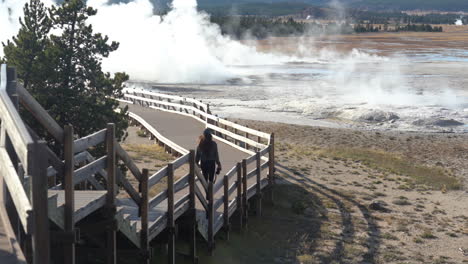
[{"x": 204, "y": 142}]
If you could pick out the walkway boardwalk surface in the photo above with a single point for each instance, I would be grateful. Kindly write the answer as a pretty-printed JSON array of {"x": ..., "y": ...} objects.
[{"x": 184, "y": 131}]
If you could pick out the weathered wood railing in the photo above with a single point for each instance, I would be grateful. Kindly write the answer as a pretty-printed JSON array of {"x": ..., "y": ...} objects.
[
  {"x": 78, "y": 168},
  {"x": 233, "y": 191},
  {"x": 22, "y": 156}
]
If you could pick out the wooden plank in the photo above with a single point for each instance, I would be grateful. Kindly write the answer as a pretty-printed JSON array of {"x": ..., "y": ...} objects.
[
  {"x": 251, "y": 159},
  {"x": 173, "y": 105},
  {"x": 92, "y": 140},
  {"x": 271, "y": 168},
  {"x": 39, "y": 113},
  {"x": 232, "y": 189},
  {"x": 157, "y": 176},
  {"x": 226, "y": 205},
  {"x": 244, "y": 187},
  {"x": 69, "y": 183},
  {"x": 200, "y": 177},
  {"x": 210, "y": 218},
  {"x": 88, "y": 170},
  {"x": 14, "y": 185},
  {"x": 55, "y": 161},
  {"x": 123, "y": 155},
  {"x": 144, "y": 241},
  {"x": 180, "y": 161},
  {"x": 181, "y": 183},
  {"x": 218, "y": 202},
  {"x": 192, "y": 209},
  {"x": 41, "y": 236},
  {"x": 10, "y": 241},
  {"x": 155, "y": 133},
  {"x": 248, "y": 141},
  {"x": 239, "y": 200},
  {"x": 265, "y": 150},
  {"x": 111, "y": 251},
  {"x": 244, "y": 129},
  {"x": 128, "y": 187},
  {"x": 170, "y": 214},
  {"x": 181, "y": 200},
  {"x": 259, "y": 189},
  {"x": 166, "y": 96},
  {"x": 201, "y": 197},
  {"x": 15, "y": 128},
  {"x": 158, "y": 199}
]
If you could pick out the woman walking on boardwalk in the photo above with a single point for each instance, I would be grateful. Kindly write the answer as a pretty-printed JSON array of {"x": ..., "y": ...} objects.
[{"x": 207, "y": 156}]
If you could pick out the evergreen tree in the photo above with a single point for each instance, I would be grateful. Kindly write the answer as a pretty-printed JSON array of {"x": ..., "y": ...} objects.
[
  {"x": 73, "y": 87},
  {"x": 27, "y": 50}
]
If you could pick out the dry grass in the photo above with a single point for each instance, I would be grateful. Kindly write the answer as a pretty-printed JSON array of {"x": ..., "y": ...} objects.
[
  {"x": 434, "y": 177},
  {"x": 147, "y": 151}
]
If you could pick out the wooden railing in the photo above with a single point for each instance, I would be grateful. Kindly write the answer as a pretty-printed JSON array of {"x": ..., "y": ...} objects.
[
  {"x": 27, "y": 161},
  {"x": 22, "y": 157},
  {"x": 79, "y": 168},
  {"x": 234, "y": 183}
]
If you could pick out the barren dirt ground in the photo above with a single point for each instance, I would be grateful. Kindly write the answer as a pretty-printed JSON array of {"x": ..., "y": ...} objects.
[
  {"x": 347, "y": 196},
  {"x": 412, "y": 220},
  {"x": 385, "y": 43}
]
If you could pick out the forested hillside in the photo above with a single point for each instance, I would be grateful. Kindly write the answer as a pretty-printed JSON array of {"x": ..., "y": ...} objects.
[{"x": 443, "y": 5}]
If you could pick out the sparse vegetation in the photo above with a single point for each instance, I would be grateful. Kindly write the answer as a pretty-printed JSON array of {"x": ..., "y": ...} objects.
[{"x": 434, "y": 177}]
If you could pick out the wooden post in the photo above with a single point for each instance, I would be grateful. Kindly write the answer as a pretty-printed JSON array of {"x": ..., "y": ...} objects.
[
  {"x": 7, "y": 144},
  {"x": 271, "y": 166},
  {"x": 226, "y": 206},
  {"x": 244, "y": 185},
  {"x": 192, "y": 208},
  {"x": 40, "y": 224},
  {"x": 210, "y": 218},
  {"x": 69, "y": 212},
  {"x": 236, "y": 132},
  {"x": 144, "y": 243},
  {"x": 240, "y": 206},
  {"x": 259, "y": 187},
  {"x": 170, "y": 213},
  {"x": 111, "y": 191}
]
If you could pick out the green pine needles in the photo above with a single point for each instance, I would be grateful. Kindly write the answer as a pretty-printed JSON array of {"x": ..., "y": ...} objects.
[{"x": 63, "y": 70}]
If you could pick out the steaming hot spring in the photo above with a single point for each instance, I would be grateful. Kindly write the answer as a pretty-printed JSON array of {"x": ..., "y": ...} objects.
[{"x": 389, "y": 83}]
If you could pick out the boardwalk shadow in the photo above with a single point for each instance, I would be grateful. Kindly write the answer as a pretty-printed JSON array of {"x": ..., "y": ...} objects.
[
  {"x": 289, "y": 228},
  {"x": 348, "y": 229}
]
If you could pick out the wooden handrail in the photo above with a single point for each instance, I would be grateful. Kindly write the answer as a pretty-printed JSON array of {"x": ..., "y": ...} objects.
[
  {"x": 39, "y": 113},
  {"x": 157, "y": 135},
  {"x": 86, "y": 171},
  {"x": 15, "y": 127},
  {"x": 92, "y": 140},
  {"x": 193, "y": 109},
  {"x": 128, "y": 161},
  {"x": 18, "y": 195}
]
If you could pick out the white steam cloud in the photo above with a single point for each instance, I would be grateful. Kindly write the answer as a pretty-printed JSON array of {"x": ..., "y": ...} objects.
[
  {"x": 184, "y": 47},
  {"x": 10, "y": 12},
  {"x": 181, "y": 47}
]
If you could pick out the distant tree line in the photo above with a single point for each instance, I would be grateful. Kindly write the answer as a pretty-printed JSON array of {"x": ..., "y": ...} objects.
[
  {"x": 403, "y": 18},
  {"x": 362, "y": 28},
  {"x": 244, "y": 27}
]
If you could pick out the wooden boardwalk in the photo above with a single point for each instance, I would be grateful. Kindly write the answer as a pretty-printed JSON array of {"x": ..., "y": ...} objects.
[{"x": 70, "y": 197}]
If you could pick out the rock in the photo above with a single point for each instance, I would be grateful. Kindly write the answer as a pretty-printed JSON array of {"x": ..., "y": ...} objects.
[
  {"x": 379, "y": 205},
  {"x": 378, "y": 116},
  {"x": 440, "y": 122}
]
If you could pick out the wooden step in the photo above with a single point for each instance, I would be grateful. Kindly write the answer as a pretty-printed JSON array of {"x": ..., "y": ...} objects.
[{"x": 86, "y": 202}]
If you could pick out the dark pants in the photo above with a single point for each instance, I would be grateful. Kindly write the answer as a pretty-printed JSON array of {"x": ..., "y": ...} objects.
[{"x": 208, "y": 169}]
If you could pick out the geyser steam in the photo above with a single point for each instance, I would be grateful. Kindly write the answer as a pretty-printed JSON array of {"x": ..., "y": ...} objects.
[{"x": 181, "y": 47}]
